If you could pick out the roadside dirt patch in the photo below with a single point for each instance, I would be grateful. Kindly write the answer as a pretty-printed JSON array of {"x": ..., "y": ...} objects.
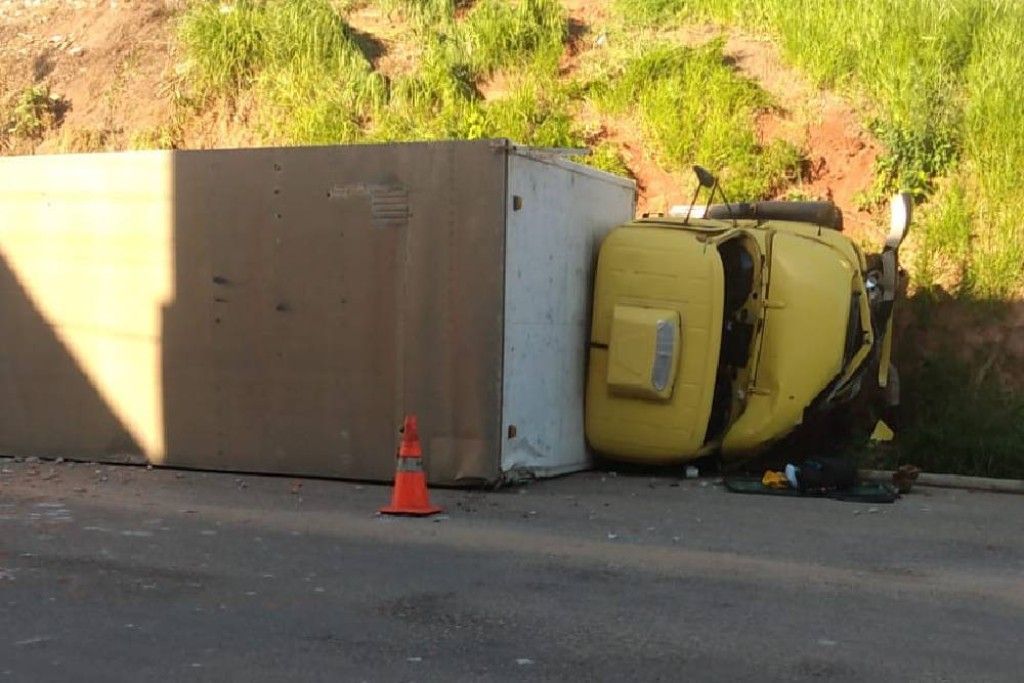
[
  {"x": 840, "y": 151},
  {"x": 657, "y": 189},
  {"x": 111, "y": 62},
  {"x": 495, "y": 87},
  {"x": 589, "y": 12},
  {"x": 384, "y": 40},
  {"x": 587, "y": 20}
]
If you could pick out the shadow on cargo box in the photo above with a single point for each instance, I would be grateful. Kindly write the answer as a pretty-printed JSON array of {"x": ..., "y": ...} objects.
[
  {"x": 264, "y": 319},
  {"x": 316, "y": 298}
]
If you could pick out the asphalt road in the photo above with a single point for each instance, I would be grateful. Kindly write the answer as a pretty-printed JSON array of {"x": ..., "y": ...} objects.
[{"x": 127, "y": 574}]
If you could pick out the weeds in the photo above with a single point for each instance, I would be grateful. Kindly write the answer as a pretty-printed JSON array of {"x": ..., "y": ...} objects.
[
  {"x": 942, "y": 253},
  {"x": 166, "y": 136},
  {"x": 535, "y": 113},
  {"x": 231, "y": 45},
  {"x": 499, "y": 33},
  {"x": 914, "y": 158},
  {"x": 426, "y": 13},
  {"x": 83, "y": 140},
  {"x": 694, "y": 107},
  {"x": 315, "y": 86},
  {"x": 606, "y": 157},
  {"x": 958, "y": 415},
  {"x": 33, "y": 112},
  {"x": 227, "y": 44},
  {"x": 314, "y": 83}
]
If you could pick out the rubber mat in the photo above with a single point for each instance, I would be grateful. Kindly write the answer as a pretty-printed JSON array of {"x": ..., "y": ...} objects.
[{"x": 867, "y": 492}]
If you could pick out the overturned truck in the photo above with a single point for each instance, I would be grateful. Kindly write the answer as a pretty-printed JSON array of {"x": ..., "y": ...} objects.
[{"x": 727, "y": 327}]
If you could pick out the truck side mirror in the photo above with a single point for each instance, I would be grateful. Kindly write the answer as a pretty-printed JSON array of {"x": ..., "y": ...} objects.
[
  {"x": 704, "y": 177},
  {"x": 901, "y": 207}
]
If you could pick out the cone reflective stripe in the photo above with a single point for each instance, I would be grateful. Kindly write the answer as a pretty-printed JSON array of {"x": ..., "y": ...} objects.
[
  {"x": 408, "y": 464},
  {"x": 410, "y": 496}
]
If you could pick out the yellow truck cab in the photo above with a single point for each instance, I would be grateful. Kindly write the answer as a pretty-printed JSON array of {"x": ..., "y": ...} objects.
[{"x": 720, "y": 333}]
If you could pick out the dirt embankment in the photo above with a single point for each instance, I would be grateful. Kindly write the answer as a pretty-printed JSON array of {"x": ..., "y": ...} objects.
[
  {"x": 115, "y": 71},
  {"x": 840, "y": 152},
  {"x": 109, "y": 63}
]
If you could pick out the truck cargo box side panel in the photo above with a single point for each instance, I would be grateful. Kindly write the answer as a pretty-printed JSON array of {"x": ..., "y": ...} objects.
[
  {"x": 281, "y": 343},
  {"x": 361, "y": 283},
  {"x": 563, "y": 213}
]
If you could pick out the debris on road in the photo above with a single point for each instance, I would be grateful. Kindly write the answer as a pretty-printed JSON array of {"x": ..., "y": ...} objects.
[
  {"x": 904, "y": 477},
  {"x": 28, "y": 642}
]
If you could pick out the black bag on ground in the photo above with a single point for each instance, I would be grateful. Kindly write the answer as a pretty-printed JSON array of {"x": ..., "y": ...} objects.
[{"x": 826, "y": 474}]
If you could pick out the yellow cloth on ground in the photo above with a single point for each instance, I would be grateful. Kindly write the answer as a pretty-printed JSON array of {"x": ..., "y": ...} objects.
[
  {"x": 883, "y": 432},
  {"x": 775, "y": 480}
]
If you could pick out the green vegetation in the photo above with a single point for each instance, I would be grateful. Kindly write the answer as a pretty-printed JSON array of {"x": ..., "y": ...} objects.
[
  {"x": 978, "y": 431},
  {"x": 499, "y": 34},
  {"x": 33, "y": 111},
  {"x": 85, "y": 140},
  {"x": 693, "y": 106},
  {"x": 314, "y": 83},
  {"x": 299, "y": 57},
  {"x": 943, "y": 247},
  {"x": 945, "y": 79},
  {"x": 958, "y": 413},
  {"x": 158, "y": 137}
]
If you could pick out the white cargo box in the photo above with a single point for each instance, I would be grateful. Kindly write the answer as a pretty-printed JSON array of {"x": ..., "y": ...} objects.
[{"x": 280, "y": 310}]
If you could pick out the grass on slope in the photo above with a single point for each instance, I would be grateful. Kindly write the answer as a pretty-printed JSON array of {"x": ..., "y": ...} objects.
[
  {"x": 947, "y": 78},
  {"x": 694, "y": 107},
  {"x": 314, "y": 84},
  {"x": 32, "y": 111},
  {"x": 299, "y": 58}
]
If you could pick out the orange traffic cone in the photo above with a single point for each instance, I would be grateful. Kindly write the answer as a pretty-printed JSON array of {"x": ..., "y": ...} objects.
[{"x": 410, "y": 493}]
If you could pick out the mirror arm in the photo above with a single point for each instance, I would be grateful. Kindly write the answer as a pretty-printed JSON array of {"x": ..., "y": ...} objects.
[
  {"x": 728, "y": 205},
  {"x": 686, "y": 221}
]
